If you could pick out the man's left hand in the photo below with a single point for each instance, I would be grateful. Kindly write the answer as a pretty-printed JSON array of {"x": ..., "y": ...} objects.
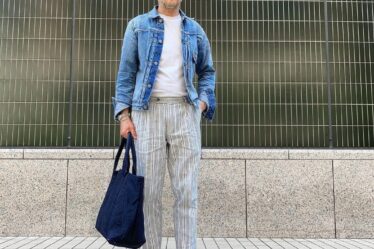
[{"x": 202, "y": 106}]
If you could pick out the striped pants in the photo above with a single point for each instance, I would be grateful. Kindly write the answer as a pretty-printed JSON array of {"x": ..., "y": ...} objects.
[{"x": 169, "y": 134}]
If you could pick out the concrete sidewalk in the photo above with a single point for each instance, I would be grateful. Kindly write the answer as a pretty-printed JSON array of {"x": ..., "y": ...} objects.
[{"x": 203, "y": 243}]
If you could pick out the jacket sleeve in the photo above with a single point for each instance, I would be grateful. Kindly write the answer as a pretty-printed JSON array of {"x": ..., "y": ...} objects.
[
  {"x": 206, "y": 77},
  {"x": 126, "y": 76}
]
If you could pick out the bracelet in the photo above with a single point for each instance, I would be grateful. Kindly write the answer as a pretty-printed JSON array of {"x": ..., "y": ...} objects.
[{"x": 123, "y": 116}]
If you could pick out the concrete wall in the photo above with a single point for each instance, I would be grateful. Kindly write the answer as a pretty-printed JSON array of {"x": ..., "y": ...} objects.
[{"x": 299, "y": 193}]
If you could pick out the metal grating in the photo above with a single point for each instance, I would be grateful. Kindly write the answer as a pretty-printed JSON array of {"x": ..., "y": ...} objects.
[
  {"x": 100, "y": 26},
  {"x": 59, "y": 60},
  {"x": 270, "y": 61},
  {"x": 352, "y": 57},
  {"x": 34, "y": 72}
]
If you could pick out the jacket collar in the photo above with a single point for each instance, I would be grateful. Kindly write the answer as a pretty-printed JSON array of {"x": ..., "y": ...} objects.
[{"x": 153, "y": 13}]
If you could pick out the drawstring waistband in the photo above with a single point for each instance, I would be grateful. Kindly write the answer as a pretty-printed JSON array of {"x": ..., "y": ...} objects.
[{"x": 177, "y": 99}]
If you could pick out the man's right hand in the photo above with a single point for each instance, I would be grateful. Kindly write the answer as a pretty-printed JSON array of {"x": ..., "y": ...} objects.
[{"x": 126, "y": 126}]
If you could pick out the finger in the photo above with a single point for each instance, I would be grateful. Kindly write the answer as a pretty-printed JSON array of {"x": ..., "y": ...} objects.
[
  {"x": 136, "y": 134},
  {"x": 125, "y": 134},
  {"x": 133, "y": 130},
  {"x": 133, "y": 133}
]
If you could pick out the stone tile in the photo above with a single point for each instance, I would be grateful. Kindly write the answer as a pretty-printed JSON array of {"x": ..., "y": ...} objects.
[
  {"x": 354, "y": 198},
  {"x": 11, "y": 153},
  {"x": 221, "y": 199},
  {"x": 290, "y": 198},
  {"x": 87, "y": 184},
  {"x": 245, "y": 153},
  {"x": 69, "y": 153},
  {"x": 331, "y": 154},
  {"x": 32, "y": 197}
]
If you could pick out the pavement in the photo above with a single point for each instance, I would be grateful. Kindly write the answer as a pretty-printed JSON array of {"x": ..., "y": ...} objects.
[{"x": 202, "y": 243}]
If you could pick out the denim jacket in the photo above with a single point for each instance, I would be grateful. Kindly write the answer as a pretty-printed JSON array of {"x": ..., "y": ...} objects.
[{"x": 140, "y": 57}]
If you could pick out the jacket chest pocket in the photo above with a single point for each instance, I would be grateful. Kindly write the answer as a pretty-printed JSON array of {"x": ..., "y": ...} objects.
[
  {"x": 193, "y": 49},
  {"x": 144, "y": 38}
]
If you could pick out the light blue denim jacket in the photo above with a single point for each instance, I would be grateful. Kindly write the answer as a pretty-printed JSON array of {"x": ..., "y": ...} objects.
[{"x": 140, "y": 57}]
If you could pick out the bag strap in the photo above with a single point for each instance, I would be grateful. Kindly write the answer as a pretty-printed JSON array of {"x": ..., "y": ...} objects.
[
  {"x": 120, "y": 148},
  {"x": 126, "y": 161}
]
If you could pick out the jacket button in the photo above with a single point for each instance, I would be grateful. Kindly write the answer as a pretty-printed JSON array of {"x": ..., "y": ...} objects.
[
  {"x": 155, "y": 62},
  {"x": 144, "y": 106},
  {"x": 160, "y": 20},
  {"x": 160, "y": 41},
  {"x": 149, "y": 85}
]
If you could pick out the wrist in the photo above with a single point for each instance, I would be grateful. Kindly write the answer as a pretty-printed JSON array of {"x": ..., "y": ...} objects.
[
  {"x": 204, "y": 105},
  {"x": 124, "y": 115}
]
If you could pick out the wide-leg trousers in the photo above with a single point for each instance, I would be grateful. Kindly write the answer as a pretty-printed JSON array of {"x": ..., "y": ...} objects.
[{"x": 169, "y": 137}]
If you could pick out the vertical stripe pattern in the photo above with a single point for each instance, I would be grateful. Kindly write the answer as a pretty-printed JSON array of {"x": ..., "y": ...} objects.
[{"x": 169, "y": 136}]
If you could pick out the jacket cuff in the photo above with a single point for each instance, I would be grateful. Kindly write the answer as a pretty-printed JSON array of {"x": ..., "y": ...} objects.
[{"x": 118, "y": 107}]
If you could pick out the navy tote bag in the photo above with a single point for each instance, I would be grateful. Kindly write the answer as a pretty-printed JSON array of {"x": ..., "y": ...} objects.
[{"x": 121, "y": 219}]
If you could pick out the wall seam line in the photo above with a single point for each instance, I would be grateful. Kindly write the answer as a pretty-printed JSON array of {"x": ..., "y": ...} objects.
[
  {"x": 246, "y": 203},
  {"x": 333, "y": 195},
  {"x": 66, "y": 195}
]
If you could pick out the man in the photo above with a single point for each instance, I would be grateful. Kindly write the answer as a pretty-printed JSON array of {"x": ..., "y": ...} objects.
[{"x": 158, "y": 104}]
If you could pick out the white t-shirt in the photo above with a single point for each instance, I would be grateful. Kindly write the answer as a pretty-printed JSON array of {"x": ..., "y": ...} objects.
[{"x": 169, "y": 79}]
